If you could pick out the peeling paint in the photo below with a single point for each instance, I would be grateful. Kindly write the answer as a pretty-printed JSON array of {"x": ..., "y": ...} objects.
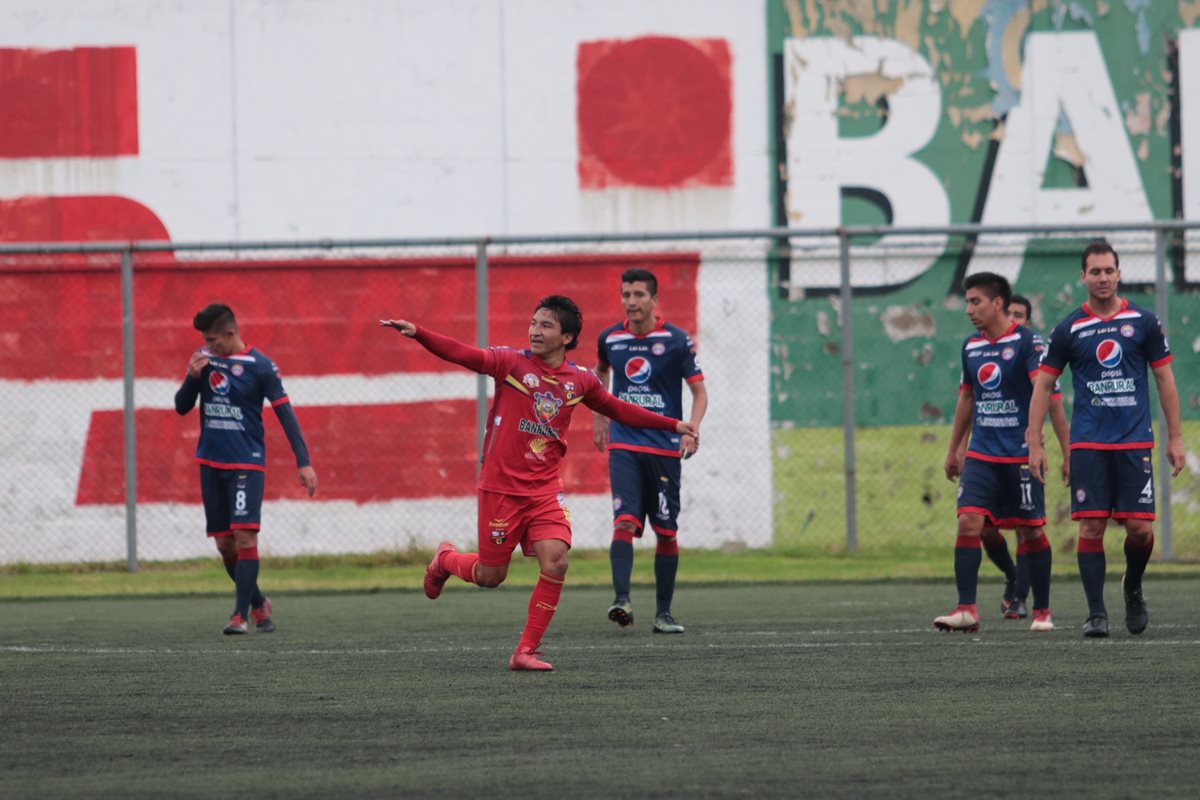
[
  {"x": 972, "y": 139},
  {"x": 1067, "y": 148},
  {"x": 1137, "y": 116},
  {"x": 924, "y": 356},
  {"x": 869, "y": 87},
  {"x": 965, "y": 12},
  {"x": 907, "y": 322},
  {"x": 908, "y": 24},
  {"x": 1189, "y": 12},
  {"x": 824, "y": 323}
]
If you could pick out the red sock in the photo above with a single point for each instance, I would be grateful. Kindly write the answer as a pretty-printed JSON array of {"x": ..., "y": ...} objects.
[
  {"x": 461, "y": 564},
  {"x": 542, "y": 605}
]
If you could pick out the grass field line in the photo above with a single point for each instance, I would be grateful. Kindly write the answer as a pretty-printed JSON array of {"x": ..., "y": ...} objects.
[{"x": 607, "y": 647}]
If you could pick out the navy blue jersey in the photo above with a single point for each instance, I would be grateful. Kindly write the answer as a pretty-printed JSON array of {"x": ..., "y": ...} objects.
[
  {"x": 649, "y": 370},
  {"x": 232, "y": 390},
  {"x": 1000, "y": 376},
  {"x": 1109, "y": 360}
]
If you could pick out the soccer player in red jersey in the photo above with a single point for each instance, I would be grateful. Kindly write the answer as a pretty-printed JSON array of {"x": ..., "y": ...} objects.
[
  {"x": 231, "y": 381},
  {"x": 521, "y": 500},
  {"x": 1111, "y": 346}
]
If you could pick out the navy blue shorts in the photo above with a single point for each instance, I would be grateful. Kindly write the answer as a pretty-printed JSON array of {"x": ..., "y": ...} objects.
[
  {"x": 645, "y": 485},
  {"x": 1007, "y": 495},
  {"x": 1112, "y": 483},
  {"x": 232, "y": 499}
]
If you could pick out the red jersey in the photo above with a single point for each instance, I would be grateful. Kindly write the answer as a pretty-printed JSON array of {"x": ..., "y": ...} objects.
[{"x": 530, "y": 414}]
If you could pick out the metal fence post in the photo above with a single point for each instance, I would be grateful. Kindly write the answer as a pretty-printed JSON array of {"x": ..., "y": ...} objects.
[
  {"x": 848, "y": 417},
  {"x": 481, "y": 340},
  {"x": 1164, "y": 462},
  {"x": 130, "y": 415}
]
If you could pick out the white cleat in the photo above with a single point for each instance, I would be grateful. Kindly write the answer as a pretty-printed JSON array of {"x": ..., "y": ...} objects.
[
  {"x": 1041, "y": 621},
  {"x": 963, "y": 618}
]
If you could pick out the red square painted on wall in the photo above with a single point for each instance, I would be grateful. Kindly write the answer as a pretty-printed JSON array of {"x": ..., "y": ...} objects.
[{"x": 654, "y": 112}]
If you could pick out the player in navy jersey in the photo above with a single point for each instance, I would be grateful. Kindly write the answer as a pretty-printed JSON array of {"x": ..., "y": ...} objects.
[
  {"x": 999, "y": 365},
  {"x": 232, "y": 381},
  {"x": 1110, "y": 345},
  {"x": 1013, "y": 603},
  {"x": 521, "y": 500},
  {"x": 648, "y": 361}
]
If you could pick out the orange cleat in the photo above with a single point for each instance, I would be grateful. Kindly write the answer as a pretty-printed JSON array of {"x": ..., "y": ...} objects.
[
  {"x": 435, "y": 574},
  {"x": 1042, "y": 623},
  {"x": 237, "y": 625},
  {"x": 529, "y": 661}
]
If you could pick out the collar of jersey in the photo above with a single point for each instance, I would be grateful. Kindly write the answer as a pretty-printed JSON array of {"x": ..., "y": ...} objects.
[
  {"x": 1011, "y": 327},
  {"x": 1088, "y": 311},
  {"x": 659, "y": 325}
]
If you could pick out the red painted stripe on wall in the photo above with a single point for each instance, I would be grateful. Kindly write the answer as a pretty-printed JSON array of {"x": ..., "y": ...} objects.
[
  {"x": 362, "y": 453},
  {"x": 77, "y": 102}
]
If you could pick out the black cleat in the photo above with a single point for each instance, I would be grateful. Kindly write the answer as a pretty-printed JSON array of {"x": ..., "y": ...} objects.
[
  {"x": 621, "y": 612},
  {"x": 1136, "y": 613},
  {"x": 1096, "y": 627},
  {"x": 1014, "y": 610}
]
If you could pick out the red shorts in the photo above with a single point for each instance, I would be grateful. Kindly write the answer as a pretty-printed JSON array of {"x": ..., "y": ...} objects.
[{"x": 506, "y": 520}]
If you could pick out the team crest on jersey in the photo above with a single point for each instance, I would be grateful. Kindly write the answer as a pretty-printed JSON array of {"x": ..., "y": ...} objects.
[
  {"x": 530, "y": 380},
  {"x": 219, "y": 382},
  {"x": 546, "y": 405},
  {"x": 1008, "y": 353},
  {"x": 637, "y": 370},
  {"x": 989, "y": 375},
  {"x": 658, "y": 348},
  {"x": 237, "y": 369},
  {"x": 1108, "y": 353},
  {"x": 1127, "y": 331},
  {"x": 569, "y": 390}
]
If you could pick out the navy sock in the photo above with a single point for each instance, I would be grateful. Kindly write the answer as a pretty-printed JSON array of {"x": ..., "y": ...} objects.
[
  {"x": 998, "y": 554},
  {"x": 621, "y": 556},
  {"x": 258, "y": 599},
  {"x": 1024, "y": 580},
  {"x": 1092, "y": 567},
  {"x": 665, "y": 567},
  {"x": 245, "y": 578},
  {"x": 1038, "y": 569},
  {"x": 967, "y": 558},
  {"x": 1136, "y": 559}
]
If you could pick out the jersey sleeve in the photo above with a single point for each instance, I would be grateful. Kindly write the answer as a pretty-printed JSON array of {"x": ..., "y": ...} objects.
[
  {"x": 597, "y": 398},
  {"x": 1057, "y": 352},
  {"x": 964, "y": 383},
  {"x": 691, "y": 364},
  {"x": 602, "y": 361},
  {"x": 1034, "y": 347},
  {"x": 272, "y": 385},
  {"x": 1157, "y": 350}
]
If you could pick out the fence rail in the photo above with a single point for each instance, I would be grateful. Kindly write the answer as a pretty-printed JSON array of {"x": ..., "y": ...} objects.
[{"x": 851, "y": 331}]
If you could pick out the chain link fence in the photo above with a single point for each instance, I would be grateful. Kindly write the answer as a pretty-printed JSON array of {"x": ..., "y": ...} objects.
[{"x": 394, "y": 432}]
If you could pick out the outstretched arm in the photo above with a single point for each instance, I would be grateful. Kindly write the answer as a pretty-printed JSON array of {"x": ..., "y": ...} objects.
[
  {"x": 444, "y": 347},
  {"x": 635, "y": 416}
]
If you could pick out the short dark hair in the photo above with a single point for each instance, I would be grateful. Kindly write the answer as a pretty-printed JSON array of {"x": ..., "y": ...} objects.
[
  {"x": 213, "y": 316},
  {"x": 1098, "y": 247},
  {"x": 991, "y": 284},
  {"x": 643, "y": 275},
  {"x": 1022, "y": 300},
  {"x": 567, "y": 313}
]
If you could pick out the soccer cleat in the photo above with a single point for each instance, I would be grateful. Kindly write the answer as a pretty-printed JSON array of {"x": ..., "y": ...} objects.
[
  {"x": 1008, "y": 598},
  {"x": 237, "y": 626},
  {"x": 1014, "y": 609},
  {"x": 1096, "y": 626},
  {"x": 665, "y": 623},
  {"x": 621, "y": 612},
  {"x": 435, "y": 574},
  {"x": 262, "y": 617},
  {"x": 529, "y": 661},
  {"x": 1041, "y": 621},
  {"x": 963, "y": 618},
  {"x": 1136, "y": 613}
]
